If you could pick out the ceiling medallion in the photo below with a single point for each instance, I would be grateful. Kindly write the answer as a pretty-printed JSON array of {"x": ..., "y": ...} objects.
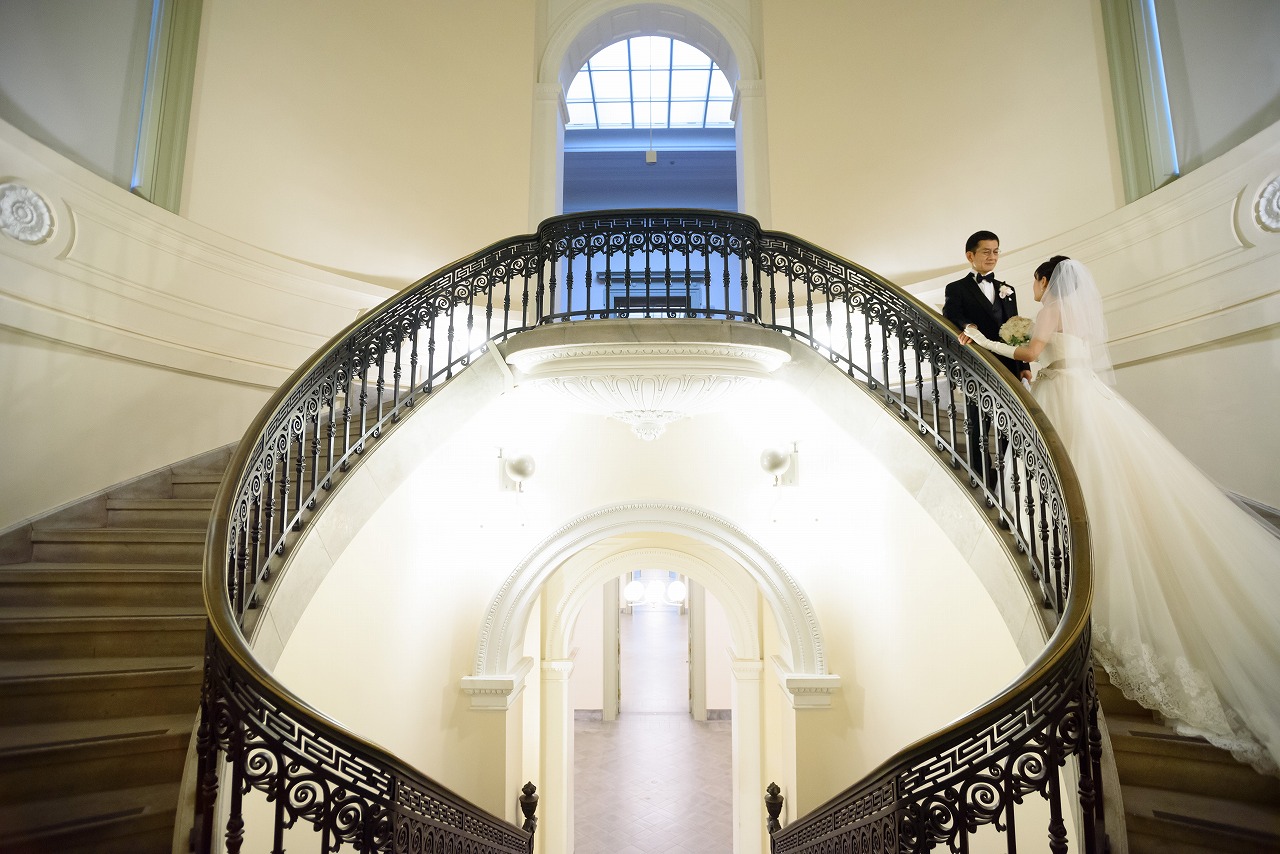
[
  {"x": 647, "y": 386},
  {"x": 1268, "y": 206},
  {"x": 24, "y": 215}
]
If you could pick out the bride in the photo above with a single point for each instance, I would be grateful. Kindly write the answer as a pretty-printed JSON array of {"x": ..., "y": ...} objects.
[{"x": 1186, "y": 612}]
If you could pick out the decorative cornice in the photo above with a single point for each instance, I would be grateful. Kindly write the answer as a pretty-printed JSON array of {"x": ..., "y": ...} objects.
[
  {"x": 557, "y": 670},
  {"x": 806, "y": 690},
  {"x": 24, "y": 214},
  {"x": 497, "y": 693}
]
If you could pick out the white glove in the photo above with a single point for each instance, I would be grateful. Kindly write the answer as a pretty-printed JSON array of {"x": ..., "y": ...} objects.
[{"x": 981, "y": 340}]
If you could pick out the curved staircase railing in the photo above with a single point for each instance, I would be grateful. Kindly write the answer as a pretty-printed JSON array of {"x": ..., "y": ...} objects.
[{"x": 255, "y": 735}]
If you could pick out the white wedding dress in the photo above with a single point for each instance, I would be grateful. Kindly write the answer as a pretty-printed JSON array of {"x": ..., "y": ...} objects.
[{"x": 1186, "y": 613}]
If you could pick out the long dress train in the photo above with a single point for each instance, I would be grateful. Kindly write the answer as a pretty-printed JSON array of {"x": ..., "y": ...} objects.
[{"x": 1186, "y": 610}]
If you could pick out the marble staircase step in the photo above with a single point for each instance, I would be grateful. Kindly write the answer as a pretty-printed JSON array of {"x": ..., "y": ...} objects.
[
  {"x": 46, "y": 583},
  {"x": 50, "y": 760},
  {"x": 135, "y": 820},
  {"x": 1160, "y": 820},
  {"x": 106, "y": 632},
  {"x": 126, "y": 545},
  {"x": 44, "y": 691},
  {"x": 190, "y": 513}
]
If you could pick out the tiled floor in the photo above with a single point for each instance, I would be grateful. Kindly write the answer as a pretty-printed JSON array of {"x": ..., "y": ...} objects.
[{"x": 654, "y": 780}]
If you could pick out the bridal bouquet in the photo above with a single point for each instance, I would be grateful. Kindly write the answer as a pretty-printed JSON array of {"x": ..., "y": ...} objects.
[{"x": 1016, "y": 331}]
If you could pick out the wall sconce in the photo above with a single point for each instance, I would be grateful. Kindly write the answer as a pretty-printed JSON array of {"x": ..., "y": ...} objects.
[
  {"x": 782, "y": 464},
  {"x": 514, "y": 471}
]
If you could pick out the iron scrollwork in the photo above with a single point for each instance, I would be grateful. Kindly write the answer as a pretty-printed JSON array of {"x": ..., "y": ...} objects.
[{"x": 703, "y": 265}]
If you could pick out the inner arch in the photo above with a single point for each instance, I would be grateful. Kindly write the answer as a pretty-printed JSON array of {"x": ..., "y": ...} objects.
[{"x": 500, "y": 645}]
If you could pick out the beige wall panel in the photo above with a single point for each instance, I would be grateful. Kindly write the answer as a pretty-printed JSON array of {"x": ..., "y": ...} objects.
[
  {"x": 76, "y": 421},
  {"x": 1218, "y": 404},
  {"x": 381, "y": 140},
  {"x": 896, "y": 130}
]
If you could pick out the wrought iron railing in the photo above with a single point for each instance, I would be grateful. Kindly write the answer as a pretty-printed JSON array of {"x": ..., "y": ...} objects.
[{"x": 695, "y": 265}]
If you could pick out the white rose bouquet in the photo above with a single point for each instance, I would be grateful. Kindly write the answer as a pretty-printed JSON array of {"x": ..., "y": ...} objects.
[{"x": 1016, "y": 331}]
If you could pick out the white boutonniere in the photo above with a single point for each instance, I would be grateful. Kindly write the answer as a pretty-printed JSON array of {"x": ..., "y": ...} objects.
[{"x": 1005, "y": 292}]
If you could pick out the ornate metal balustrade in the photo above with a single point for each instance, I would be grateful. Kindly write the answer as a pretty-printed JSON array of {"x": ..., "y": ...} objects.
[{"x": 695, "y": 265}]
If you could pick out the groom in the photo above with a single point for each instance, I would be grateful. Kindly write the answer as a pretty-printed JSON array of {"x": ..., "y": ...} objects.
[{"x": 981, "y": 299}]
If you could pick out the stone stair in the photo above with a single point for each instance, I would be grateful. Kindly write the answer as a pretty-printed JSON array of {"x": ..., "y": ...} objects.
[
  {"x": 102, "y": 628},
  {"x": 1181, "y": 794}
]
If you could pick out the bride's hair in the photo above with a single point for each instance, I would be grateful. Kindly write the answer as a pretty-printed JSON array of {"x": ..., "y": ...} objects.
[
  {"x": 1072, "y": 305},
  {"x": 1045, "y": 270}
]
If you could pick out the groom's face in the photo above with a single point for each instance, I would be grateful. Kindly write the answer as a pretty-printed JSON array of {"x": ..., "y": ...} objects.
[{"x": 984, "y": 256}]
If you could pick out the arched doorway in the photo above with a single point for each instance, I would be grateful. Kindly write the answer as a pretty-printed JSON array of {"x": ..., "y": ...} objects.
[{"x": 560, "y": 575}]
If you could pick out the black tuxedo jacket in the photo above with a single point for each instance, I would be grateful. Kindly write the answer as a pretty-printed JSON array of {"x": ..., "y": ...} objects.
[{"x": 965, "y": 304}]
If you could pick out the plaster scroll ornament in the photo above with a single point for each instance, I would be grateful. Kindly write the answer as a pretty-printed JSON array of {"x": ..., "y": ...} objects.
[
  {"x": 1268, "y": 206},
  {"x": 24, "y": 215}
]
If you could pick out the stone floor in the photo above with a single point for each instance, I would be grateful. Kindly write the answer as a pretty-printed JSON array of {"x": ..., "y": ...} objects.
[{"x": 654, "y": 780}]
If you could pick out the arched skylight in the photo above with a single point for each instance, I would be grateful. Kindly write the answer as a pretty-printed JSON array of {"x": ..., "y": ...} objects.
[{"x": 649, "y": 81}]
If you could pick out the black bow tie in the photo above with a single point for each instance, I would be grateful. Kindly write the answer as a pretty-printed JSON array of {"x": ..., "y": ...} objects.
[{"x": 989, "y": 277}]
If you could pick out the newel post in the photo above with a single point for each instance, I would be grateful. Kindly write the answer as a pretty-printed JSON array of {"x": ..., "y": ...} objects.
[
  {"x": 528, "y": 805},
  {"x": 773, "y": 804}
]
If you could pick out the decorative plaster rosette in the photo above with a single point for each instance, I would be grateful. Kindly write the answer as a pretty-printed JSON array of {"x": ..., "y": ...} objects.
[
  {"x": 24, "y": 215},
  {"x": 1268, "y": 207},
  {"x": 647, "y": 386}
]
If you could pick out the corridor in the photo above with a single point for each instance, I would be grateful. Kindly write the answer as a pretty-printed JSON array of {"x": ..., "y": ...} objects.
[{"x": 654, "y": 780}]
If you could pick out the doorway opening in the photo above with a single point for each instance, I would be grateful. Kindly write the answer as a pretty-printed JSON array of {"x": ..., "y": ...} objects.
[{"x": 654, "y": 777}]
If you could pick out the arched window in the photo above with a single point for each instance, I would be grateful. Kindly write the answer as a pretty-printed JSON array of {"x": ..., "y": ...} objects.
[{"x": 649, "y": 82}]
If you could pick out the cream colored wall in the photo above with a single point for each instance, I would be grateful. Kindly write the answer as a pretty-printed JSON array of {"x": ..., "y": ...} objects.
[
  {"x": 586, "y": 686},
  {"x": 896, "y": 130},
  {"x": 1223, "y": 408},
  {"x": 132, "y": 338},
  {"x": 110, "y": 420},
  {"x": 379, "y": 140},
  {"x": 718, "y": 642}
]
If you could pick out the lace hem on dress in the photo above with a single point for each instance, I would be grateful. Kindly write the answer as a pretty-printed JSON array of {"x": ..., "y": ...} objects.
[{"x": 1183, "y": 695}]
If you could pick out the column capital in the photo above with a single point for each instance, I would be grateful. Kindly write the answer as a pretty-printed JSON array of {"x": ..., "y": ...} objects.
[
  {"x": 742, "y": 90},
  {"x": 805, "y": 690},
  {"x": 557, "y": 670},
  {"x": 496, "y": 692},
  {"x": 552, "y": 93}
]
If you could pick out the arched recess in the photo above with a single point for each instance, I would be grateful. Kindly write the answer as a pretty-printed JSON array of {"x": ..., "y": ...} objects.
[
  {"x": 500, "y": 646},
  {"x": 711, "y": 26},
  {"x": 597, "y": 24},
  {"x": 585, "y": 572}
]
